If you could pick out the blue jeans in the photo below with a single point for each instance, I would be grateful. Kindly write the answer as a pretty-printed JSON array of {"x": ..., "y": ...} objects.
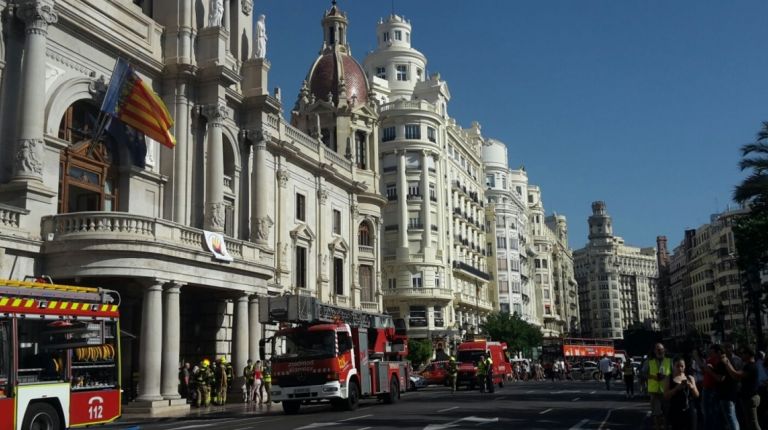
[
  {"x": 729, "y": 414},
  {"x": 711, "y": 405}
]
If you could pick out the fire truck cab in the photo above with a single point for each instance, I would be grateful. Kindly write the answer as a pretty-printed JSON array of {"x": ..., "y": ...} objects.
[
  {"x": 469, "y": 354},
  {"x": 328, "y": 353}
]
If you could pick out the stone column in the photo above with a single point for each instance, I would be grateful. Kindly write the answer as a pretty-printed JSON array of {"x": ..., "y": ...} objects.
[
  {"x": 240, "y": 348},
  {"x": 254, "y": 332},
  {"x": 181, "y": 165},
  {"x": 285, "y": 219},
  {"x": 402, "y": 200},
  {"x": 426, "y": 203},
  {"x": 30, "y": 146},
  {"x": 171, "y": 341},
  {"x": 323, "y": 253},
  {"x": 151, "y": 343},
  {"x": 226, "y": 17},
  {"x": 441, "y": 227},
  {"x": 214, "y": 179},
  {"x": 260, "y": 220}
]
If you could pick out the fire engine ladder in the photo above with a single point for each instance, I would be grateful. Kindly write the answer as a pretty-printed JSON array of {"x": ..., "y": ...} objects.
[
  {"x": 56, "y": 291},
  {"x": 307, "y": 310}
]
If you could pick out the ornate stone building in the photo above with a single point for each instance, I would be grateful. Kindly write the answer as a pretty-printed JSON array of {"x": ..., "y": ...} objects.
[
  {"x": 434, "y": 265},
  {"x": 617, "y": 282},
  {"x": 296, "y": 206}
]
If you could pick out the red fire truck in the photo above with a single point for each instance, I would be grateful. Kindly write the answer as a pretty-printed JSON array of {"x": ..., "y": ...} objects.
[
  {"x": 59, "y": 356},
  {"x": 469, "y": 353},
  {"x": 329, "y": 353}
]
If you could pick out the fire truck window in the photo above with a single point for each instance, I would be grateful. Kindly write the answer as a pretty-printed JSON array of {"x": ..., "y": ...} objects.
[
  {"x": 36, "y": 363},
  {"x": 5, "y": 357},
  {"x": 345, "y": 342},
  {"x": 307, "y": 344}
]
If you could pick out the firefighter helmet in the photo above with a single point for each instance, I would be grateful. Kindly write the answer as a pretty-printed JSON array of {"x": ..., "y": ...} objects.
[{"x": 206, "y": 362}]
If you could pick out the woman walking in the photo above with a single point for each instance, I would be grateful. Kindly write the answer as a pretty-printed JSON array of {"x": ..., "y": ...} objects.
[
  {"x": 679, "y": 391},
  {"x": 629, "y": 378}
]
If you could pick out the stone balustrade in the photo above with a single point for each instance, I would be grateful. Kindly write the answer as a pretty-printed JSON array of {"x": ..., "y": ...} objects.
[
  {"x": 10, "y": 216},
  {"x": 370, "y": 306},
  {"x": 110, "y": 226},
  {"x": 439, "y": 293}
]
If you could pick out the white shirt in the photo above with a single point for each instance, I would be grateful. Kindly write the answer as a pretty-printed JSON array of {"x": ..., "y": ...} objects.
[{"x": 605, "y": 365}]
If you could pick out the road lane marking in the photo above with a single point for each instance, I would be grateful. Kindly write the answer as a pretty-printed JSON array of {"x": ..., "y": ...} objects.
[
  {"x": 499, "y": 398},
  {"x": 364, "y": 428},
  {"x": 529, "y": 391},
  {"x": 358, "y": 417},
  {"x": 579, "y": 424},
  {"x": 592, "y": 392},
  {"x": 448, "y": 409},
  {"x": 195, "y": 426},
  {"x": 545, "y": 411},
  {"x": 575, "y": 399},
  {"x": 453, "y": 424}
]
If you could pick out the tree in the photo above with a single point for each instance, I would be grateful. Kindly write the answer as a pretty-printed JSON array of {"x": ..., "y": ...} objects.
[
  {"x": 751, "y": 230},
  {"x": 518, "y": 334},
  {"x": 419, "y": 351}
]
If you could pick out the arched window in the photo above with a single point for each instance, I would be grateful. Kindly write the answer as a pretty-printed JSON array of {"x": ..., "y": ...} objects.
[
  {"x": 361, "y": 150},
  {"x": 87, "y": 179},
  {"x": 364, "y": 234}
]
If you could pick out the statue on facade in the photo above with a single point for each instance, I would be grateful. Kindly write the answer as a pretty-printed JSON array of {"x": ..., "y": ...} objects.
[
  {"x": 260, "y": 38},
  {"x": 261, "y": 228},
  {"x": 215, "y": 13}
]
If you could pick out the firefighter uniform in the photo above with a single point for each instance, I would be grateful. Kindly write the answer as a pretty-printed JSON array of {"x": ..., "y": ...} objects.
[
  {"x": 221, "y": 382},
  {"x": 267, "y": 375},
  {"x": 203, "y": 379},
  {"x": 489, "y": 374},
  {"x": 481, "y": 371},
  {"x": 452, "y": 374}
]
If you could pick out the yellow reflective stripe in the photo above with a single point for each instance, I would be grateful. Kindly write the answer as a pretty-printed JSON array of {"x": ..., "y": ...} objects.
[
  {"x": 64, "y": 305},
  {"x": 4, "y": 301},
  {"x": 104, "y": 308},
  {"x": 75, "y": 306},
  {"x": 52, "y": 304},
  {"x": 29, "y": 303},
  {"x": 16, "y": 303},
  {"x": 114, "y": 308}
]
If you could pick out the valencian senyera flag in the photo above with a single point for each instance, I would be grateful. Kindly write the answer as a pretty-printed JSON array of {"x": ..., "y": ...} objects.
[{"x": 130, "y": 100}]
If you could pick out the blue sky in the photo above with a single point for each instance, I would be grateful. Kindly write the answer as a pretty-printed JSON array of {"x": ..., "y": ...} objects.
[{"x": 641, "y": 103}]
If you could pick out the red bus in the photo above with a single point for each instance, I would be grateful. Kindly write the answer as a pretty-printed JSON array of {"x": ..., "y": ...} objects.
[{"x": 59, "y": 356}]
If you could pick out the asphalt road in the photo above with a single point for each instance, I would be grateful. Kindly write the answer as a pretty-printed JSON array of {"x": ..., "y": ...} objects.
[{"x": 520, "y": 405}]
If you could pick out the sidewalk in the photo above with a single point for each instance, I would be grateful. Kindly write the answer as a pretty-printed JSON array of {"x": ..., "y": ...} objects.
[{"x": 234, "y": 409}]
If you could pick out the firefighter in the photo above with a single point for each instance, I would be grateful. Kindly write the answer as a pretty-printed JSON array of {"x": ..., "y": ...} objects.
[
  {"x": 452, "y": 373},
  {"x": 481, "y": 371},
  {"x": 220, "y": 382},
  {"x": 203, "y": 379},
  {"x": 248, "y": 374},
  {"x": 489, "y": 374},
  {"x": 267, "y": 375}
]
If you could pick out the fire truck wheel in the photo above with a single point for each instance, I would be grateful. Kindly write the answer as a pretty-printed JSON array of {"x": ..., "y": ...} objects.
[
  {"x": 291, "y": 408},
  {"x": 41, "y": 416},
  {"x": 394, "y": 392},
  {"x": 352, "y": 397}
]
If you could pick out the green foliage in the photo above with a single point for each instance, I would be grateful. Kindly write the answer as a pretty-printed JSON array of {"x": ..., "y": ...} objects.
[
  {"x": 518, "y": 334},
  {"x": 419, "y": 351}
]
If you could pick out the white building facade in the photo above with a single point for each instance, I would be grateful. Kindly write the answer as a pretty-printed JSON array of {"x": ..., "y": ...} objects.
[
  {"x": 296, "y": 213},
  {"x": 434, "y": 268},
  {"x": 617, "y": 282}
]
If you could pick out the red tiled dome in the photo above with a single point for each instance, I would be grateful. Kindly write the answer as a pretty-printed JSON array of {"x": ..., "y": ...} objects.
[{"x": 326, "y": 74}]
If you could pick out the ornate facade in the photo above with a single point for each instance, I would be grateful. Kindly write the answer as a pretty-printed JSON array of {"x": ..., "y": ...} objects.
[
  {"x": 617, "y": 282},
  {"x": 297, "y": 211},
  {"x": 434, "y": 265}
]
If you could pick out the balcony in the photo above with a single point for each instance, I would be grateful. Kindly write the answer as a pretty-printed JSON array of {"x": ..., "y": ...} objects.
[
  {"x": 471, "y": 270},
  {"x": 414, "y": 197},
  {"x": 389, "y": 169},
  {"x": 391, "y": 197},
  {"x": 125, "y": 244},
  {"x": 370, "y": 306},
  {"x": 433, "y": 227},
  {"x": 365, "y": 250},
  {"x": 475, "y": 301},
  {"x": 228, "y": 183},
  {"x": 427, "y": 293},
  {"x": 10, "y": 217}
]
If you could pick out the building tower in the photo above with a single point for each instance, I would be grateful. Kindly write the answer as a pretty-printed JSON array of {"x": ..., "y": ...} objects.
[
  {"x": 600, "y": 222},
  {"x": 433, "y": 244}
]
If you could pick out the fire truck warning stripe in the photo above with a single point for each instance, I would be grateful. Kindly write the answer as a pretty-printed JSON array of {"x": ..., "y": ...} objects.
[
  {"x": 52, "y": 304},
  {"x": 29, "y": 303},
  {"x": 114, "y": 308},
  {"x": 4, "y": 301},
  {"x": 75, "y": 306},
  {"x": 64, "y": 305},
  {"x": 16, "y": 303},
  {"x": 104, "y": 308}
]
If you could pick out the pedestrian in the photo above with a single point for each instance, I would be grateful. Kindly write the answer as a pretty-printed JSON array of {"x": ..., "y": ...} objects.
[
  {"x": 659, "y": 367},
  {"x": 679, "y": 391},
  {"x": 748, "y": 397},
  {"x": 713, "y": 417},
  {"x": 185, "y": 375},
  {"x": 481, "y": 373},
  {"x": 605, "y": 370},
  {"x": 248, "y": 377},
  {"x": 642, "y": 378},
  {"x": 220, "y": 379},
  {"x": 452, "y": 373},
  {"x": 629, "y": 379},
  {"x": 727, "y": 390},
  {"x": 258, "y": 383}
]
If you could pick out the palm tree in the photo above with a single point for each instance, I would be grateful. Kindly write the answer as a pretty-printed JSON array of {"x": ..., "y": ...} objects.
[{"x": 754, "y": 188}]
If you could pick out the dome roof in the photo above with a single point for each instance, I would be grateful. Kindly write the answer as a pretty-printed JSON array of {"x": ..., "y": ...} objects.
[{"x": 328, "y": 71}]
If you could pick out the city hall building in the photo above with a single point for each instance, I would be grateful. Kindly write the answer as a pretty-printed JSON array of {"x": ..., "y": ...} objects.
[{"x": 246, "y": 205}]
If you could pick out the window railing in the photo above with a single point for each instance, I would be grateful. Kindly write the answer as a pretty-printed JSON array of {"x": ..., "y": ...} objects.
[{"x": 393, "y": 227}]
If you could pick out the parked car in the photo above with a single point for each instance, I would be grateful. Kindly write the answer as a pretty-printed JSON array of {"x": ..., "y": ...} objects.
[
  {"x": 436, "y": 372},
  {"x": 416, "y": 382},
  {"x": 585, "y": 370}
]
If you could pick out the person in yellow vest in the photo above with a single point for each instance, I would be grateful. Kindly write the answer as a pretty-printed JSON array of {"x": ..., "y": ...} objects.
[
  {"x": 659, "y": 368},
  {"x": 452, "y": 373},
  {"x": 267, "y": 375}
]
